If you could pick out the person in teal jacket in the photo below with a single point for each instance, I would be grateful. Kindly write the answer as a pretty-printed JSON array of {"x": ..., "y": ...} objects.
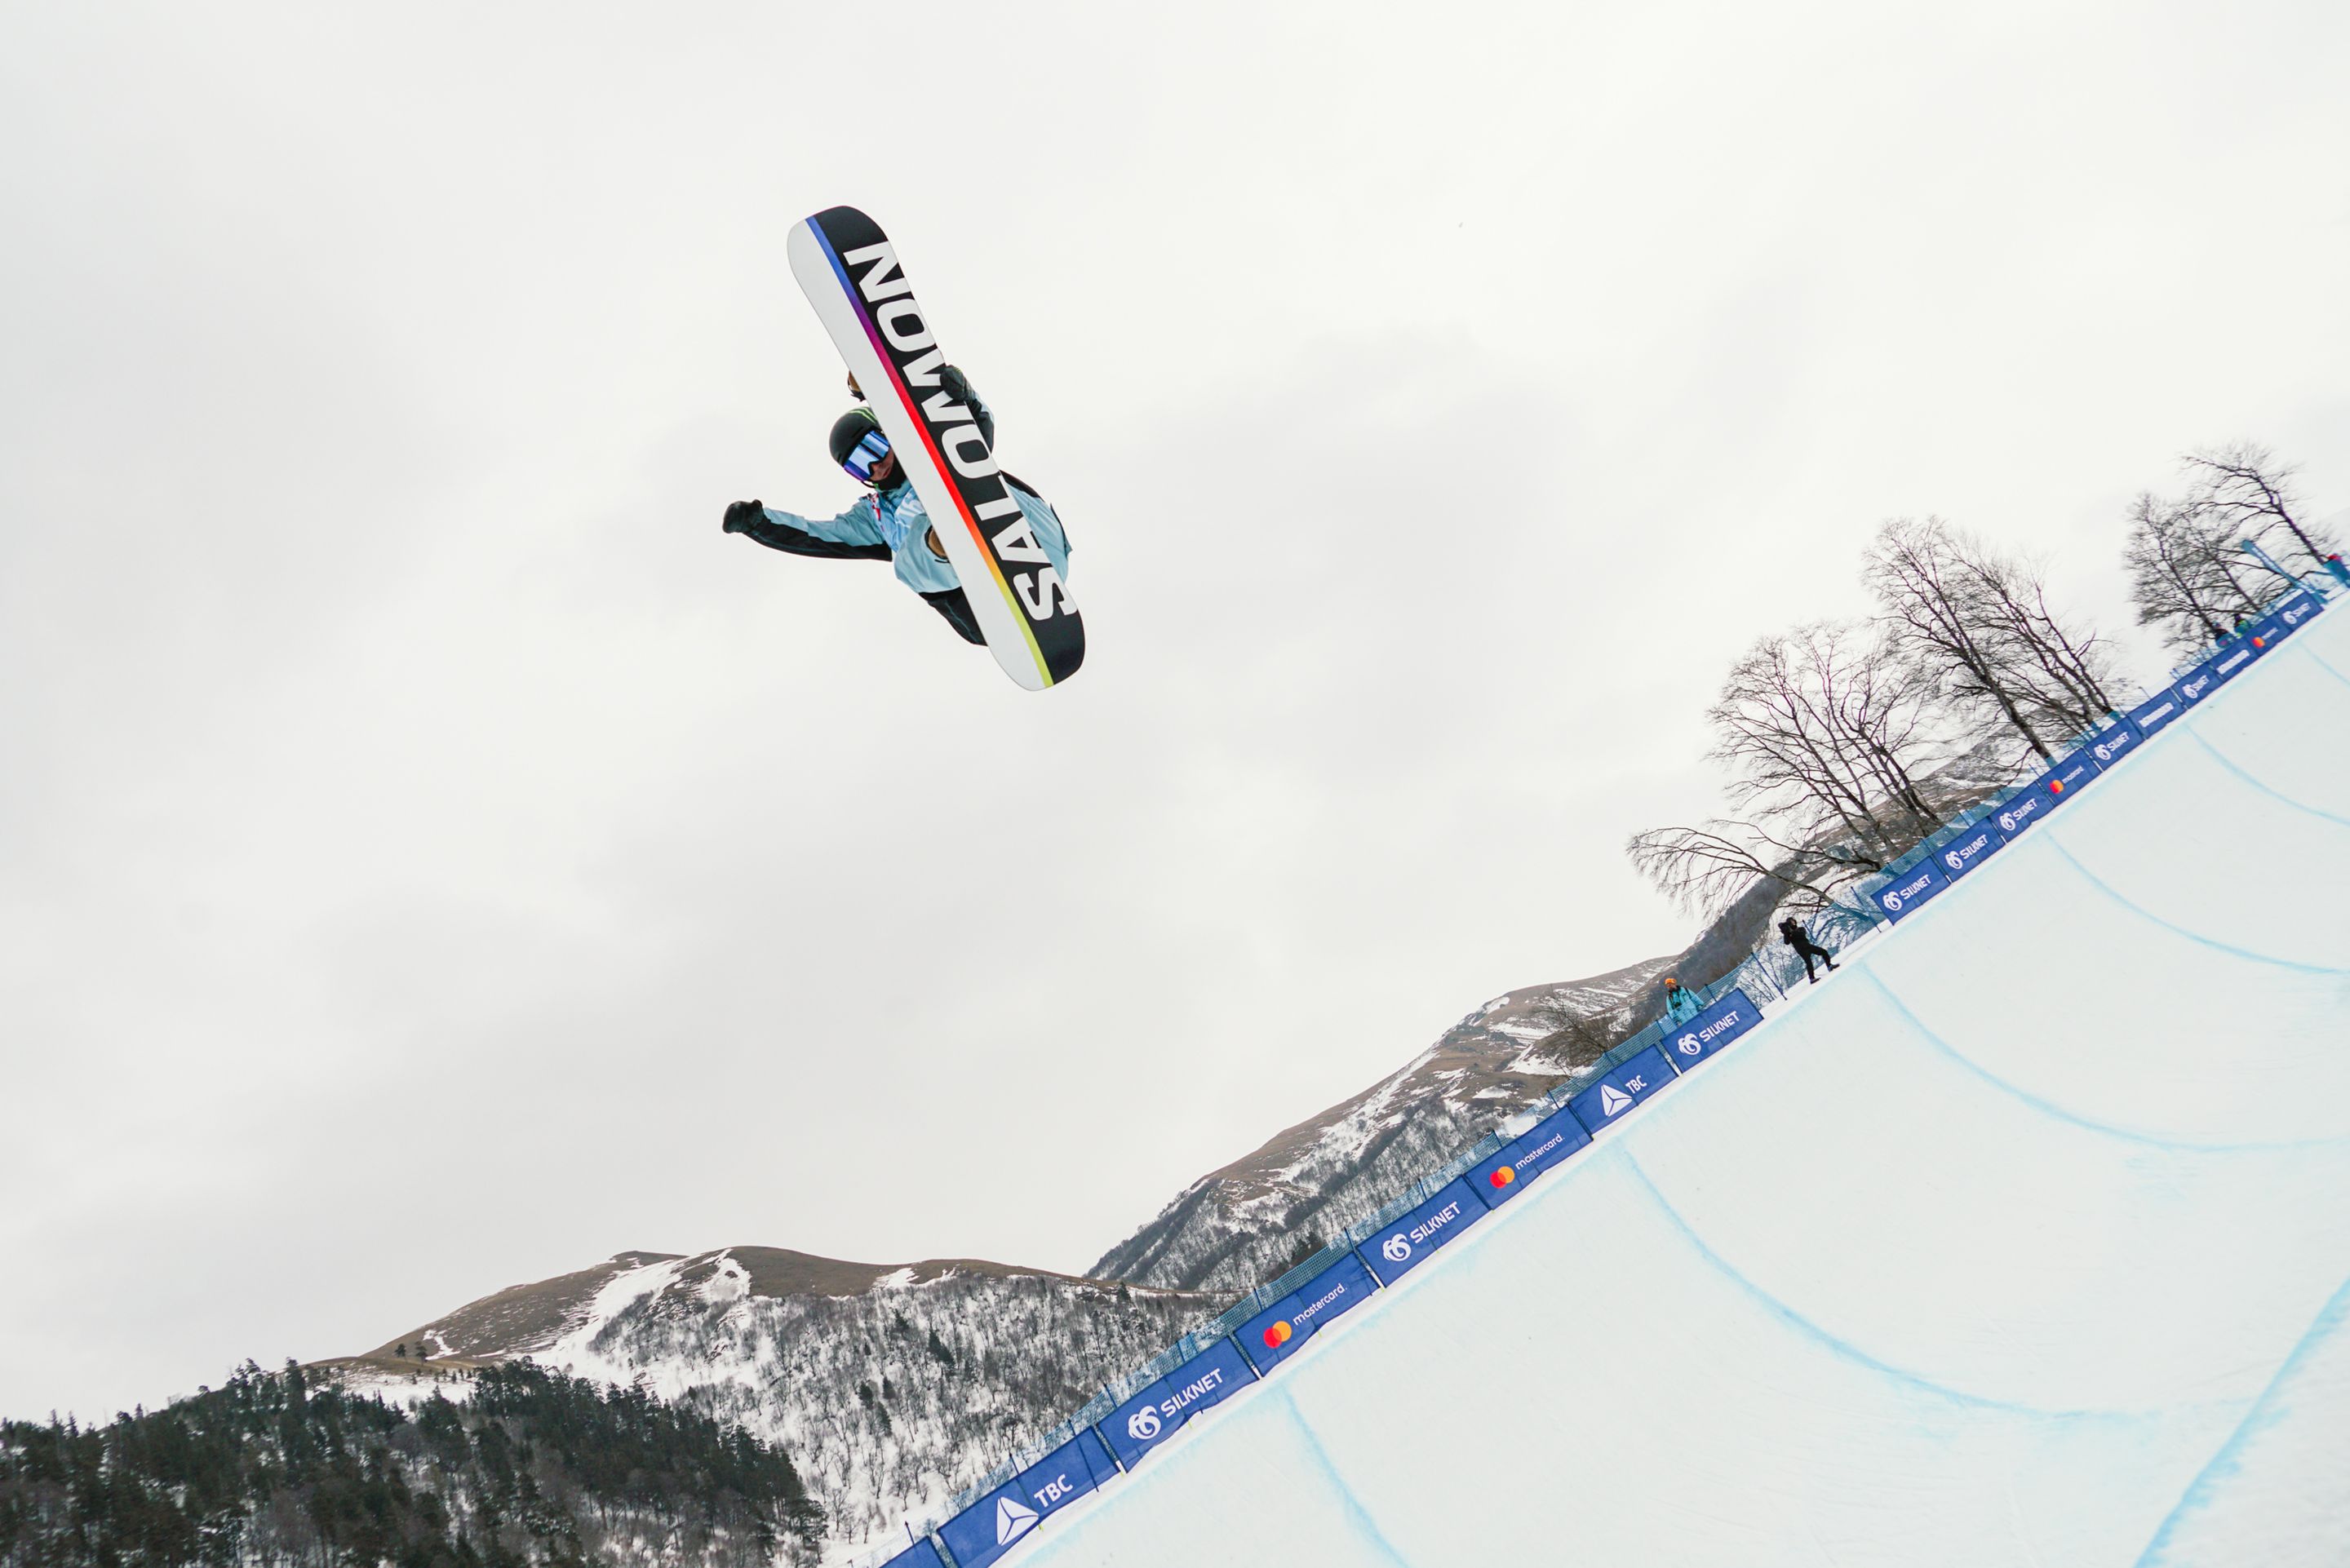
[
  {"x": 1681, "y": 1002},
  {"x": 891, "y": 523}
]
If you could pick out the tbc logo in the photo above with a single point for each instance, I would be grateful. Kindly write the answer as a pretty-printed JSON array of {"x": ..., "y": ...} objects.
[
  {"x": 1612, "y": 1099},
  {"x": 1688, "y": 1045},
  {"x": 1143, "y": 1425},
  {"x": 1012, "y": 1521},
  {"x": 1395, "y": 1249}
]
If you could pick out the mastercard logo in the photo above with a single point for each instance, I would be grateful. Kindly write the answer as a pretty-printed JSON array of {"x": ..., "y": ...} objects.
[
  {"x": 2056, "y": 786},
  {"x": 1503, "y": 1176},
  {"x": 1279, "y": 1334}
]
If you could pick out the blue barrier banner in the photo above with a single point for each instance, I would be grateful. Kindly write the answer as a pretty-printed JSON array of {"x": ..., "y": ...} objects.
[
  {"x": 2022, "y": 809},
  {"x": 1710, "y": 1031},
  {"x": 1159, "y": 1412},
  {"x": 1281, "y": 1330},
  {"x": 1407, "y": 1242},
  {"x": 1533, "y": 1151},
  {"x": 2292, "y": 611},
  {"x": 2111, "y": 745},
  {"x": 1971, "y": 848},
  {"x": 988, "y": 1528},
  {"x": 922, "y": 1553},
  {"x": 1620, "y": 1090},
  {"x": 2065, "y": 779},
  {"x": 2197, "y": 684},
  {"x": 2232, "y": 660},
  {"x": 2046, "y": 794},
  {"x": 2156, "y": 711},
  {"x": 1913, "y": 888}
]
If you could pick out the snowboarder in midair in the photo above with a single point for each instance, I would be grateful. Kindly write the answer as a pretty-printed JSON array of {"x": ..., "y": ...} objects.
[
  {"x": 1796, "y": 937},
  {"x": 891, "y": 523}
]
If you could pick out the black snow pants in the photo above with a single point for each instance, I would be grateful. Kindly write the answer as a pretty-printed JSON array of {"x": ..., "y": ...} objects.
[{"x": 1808, "y": 949}]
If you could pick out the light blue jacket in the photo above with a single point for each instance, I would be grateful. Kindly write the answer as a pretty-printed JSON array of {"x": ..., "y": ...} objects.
[
  {"x": 1681, "y": 1004},
  {"x": 897, "y": 519}
]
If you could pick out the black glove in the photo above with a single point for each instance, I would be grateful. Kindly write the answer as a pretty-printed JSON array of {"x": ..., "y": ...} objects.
[
  {"x": 957, "y": 387},
  {"x": 744, "y": 513}
]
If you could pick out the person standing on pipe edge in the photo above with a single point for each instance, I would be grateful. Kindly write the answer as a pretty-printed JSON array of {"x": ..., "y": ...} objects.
[
  {"x": 1796, "y": 937},
  {"x": 891, "y": 523}
]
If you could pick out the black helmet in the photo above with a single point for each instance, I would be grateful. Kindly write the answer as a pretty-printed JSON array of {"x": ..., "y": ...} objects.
[{"x": 848, "y": 429}]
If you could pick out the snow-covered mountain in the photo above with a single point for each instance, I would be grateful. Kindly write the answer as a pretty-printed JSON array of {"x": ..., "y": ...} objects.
[
  {"x": 893, "y": 1387},
  {"x": 1235, "y": 1228},
  {"x": 1242, "y": 1225}
]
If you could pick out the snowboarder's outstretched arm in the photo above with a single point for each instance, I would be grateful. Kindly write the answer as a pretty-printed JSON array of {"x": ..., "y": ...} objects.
[{"x": 854, "y": 535}]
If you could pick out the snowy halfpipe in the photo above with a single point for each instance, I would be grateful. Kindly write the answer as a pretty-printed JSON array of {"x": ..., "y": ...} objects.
[{"x": 2025, "y": 1239}]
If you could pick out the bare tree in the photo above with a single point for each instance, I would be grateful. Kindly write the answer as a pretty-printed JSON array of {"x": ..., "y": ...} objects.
[
  {"x": 1570, "y": 1035},
  {"x": 1978, "y": 626},
  {"x": 1705, "y": 869},
  {"x": 2182, "y": 572},
  {"x": 1824, "y": 735},
  {"x": 2251, "y": 495}
]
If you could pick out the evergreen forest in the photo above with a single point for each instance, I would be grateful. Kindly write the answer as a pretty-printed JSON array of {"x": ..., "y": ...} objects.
[{"x": 531, "y": 1470}]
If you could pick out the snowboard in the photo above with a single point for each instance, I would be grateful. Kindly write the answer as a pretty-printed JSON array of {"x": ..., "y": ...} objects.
[{"x": 850, "y": 272}]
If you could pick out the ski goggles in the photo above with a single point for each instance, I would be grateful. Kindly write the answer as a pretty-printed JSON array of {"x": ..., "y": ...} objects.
[{"x": 866, "y": 456}]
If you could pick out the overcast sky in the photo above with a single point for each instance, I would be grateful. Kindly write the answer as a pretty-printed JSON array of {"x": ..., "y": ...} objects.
[{"x": 432, "y": 856}]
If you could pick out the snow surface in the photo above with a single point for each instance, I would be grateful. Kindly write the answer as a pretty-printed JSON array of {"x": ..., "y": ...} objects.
[{"x": 2025, "y": 1239}]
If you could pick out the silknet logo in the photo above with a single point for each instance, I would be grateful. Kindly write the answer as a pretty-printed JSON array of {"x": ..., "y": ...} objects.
[
  {"x": 1688, "y": 1045},
  {"x": 1896, "y": 898},
  {"x": 1395, "y": 1249},
  {"x": 1143, "y": 1425}
]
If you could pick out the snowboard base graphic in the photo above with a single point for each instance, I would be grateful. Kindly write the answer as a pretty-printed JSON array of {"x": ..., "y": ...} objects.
[{"x": 850, "y": 272}]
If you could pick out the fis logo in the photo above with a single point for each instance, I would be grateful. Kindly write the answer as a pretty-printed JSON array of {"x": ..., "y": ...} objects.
[
  {"x": 1144, "y": 1423},
  {"x": 954, "y": 431}
]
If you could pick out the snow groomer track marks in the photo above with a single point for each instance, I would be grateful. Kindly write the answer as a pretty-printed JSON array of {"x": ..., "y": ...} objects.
[{"x": 2025, "y": 1239}]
